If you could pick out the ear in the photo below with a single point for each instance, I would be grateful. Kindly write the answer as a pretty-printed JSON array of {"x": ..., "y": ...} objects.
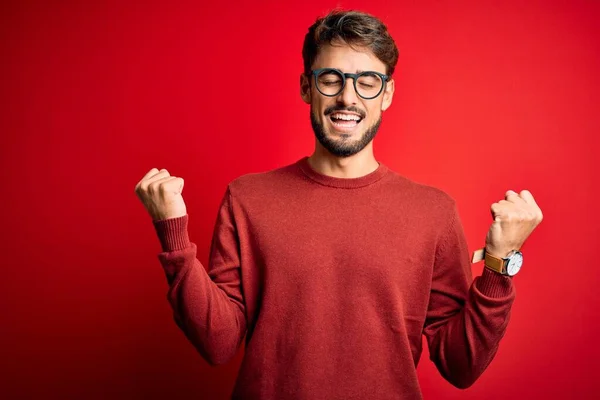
[
  {"x": 305, "y": 88},
  {"x": 388, "y": 93}
]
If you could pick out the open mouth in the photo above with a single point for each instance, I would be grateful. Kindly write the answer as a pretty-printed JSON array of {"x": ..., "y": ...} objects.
[{"x": 344, "y": 121}]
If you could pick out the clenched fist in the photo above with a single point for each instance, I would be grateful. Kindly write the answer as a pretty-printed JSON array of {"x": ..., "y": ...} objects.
[
  {"x": 515, "y": 218},
  {"x": 161, "y": 194}
]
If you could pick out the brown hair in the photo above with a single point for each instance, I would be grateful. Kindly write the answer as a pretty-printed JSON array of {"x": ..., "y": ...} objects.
[{"x": 355, "y": 28}]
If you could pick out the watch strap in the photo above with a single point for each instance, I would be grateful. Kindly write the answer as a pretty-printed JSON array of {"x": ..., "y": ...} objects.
[
  {"x": 494, "y": 263},
  {"x": 478, "y": 255}
]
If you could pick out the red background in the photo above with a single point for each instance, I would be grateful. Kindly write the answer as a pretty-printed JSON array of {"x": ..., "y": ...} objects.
[{"x": 490, "y": 96}]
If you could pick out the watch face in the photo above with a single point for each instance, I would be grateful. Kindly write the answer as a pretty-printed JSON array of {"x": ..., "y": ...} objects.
[{"x": 514, "y": 264}]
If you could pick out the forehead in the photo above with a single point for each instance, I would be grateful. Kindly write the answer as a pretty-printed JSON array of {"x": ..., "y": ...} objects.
[{"x": 348, "y": 59}]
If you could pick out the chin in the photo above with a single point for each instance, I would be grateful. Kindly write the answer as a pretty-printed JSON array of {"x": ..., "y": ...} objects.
[{"x": 343, "y": 142}]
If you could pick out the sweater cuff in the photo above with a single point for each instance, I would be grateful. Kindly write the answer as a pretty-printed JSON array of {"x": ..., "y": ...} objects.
[
  {"x": 493, "y": 284},
  {"x": 172, "y": 233}
]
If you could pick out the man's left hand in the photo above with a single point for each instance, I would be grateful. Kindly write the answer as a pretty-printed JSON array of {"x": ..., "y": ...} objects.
[{"x": 515, "y": 218}]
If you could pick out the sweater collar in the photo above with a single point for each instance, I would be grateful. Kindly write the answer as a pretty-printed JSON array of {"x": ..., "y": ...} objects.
[{"x": 344, "y": 183}]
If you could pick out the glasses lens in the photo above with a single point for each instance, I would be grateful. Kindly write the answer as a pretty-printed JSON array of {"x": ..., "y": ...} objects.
[
  {"x": 329, "y": 82},
  {"x": 369, "y": 85}
]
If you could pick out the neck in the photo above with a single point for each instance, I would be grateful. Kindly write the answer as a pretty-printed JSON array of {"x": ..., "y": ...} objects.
[{"x": 355, "y": 166}]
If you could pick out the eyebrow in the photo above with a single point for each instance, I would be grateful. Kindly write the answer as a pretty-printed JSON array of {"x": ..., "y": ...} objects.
[{"x": 359, "y": 71}]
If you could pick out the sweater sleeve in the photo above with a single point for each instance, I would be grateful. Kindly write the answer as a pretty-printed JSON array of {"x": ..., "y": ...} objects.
[
  {"x": 207, "y": 306},
  {"x": 466, "y": 319}
]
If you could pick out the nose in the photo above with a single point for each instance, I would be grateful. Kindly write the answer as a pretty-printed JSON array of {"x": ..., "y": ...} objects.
[{"x": 348, "y": 95}]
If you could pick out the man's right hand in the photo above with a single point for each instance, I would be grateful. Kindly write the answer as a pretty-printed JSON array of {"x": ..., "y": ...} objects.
[{"x": 161, "y": 194}]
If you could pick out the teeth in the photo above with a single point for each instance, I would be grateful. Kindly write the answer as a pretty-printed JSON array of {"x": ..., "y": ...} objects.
[{"x": 346, "y": 117}]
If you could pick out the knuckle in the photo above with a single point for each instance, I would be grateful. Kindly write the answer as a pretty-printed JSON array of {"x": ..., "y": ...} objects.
[
  {"x": 144, "y": 187},
  {"x": 522, "y": 217}
]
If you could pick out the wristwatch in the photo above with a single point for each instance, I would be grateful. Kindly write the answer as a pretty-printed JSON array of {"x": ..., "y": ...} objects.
[{"x": 508, "y": 265}]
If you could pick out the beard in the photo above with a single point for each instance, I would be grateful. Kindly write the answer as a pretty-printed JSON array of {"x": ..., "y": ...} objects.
[{"x": 343, "y": 147}]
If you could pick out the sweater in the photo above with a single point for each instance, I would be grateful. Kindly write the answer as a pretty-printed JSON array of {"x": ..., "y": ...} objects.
[{"x": 333, "y": 282}]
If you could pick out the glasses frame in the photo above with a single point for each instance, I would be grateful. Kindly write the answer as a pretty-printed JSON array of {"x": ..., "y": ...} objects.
[{"x": 345, "y": 75}]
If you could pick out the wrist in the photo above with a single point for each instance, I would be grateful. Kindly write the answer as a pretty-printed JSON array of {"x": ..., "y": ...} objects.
[
  {"x": 498, "y": 252},
  {"x": 508, "y": 265}
]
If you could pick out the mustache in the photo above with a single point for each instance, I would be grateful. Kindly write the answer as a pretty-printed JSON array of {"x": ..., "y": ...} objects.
[{"x": 353, "y": 109}]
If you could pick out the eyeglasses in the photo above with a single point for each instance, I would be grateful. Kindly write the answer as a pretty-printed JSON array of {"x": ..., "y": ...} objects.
[{"x": 331, "y": 82}]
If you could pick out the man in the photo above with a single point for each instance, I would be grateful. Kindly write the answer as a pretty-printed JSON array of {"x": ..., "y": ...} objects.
[{"x": 333, "y": 267}]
